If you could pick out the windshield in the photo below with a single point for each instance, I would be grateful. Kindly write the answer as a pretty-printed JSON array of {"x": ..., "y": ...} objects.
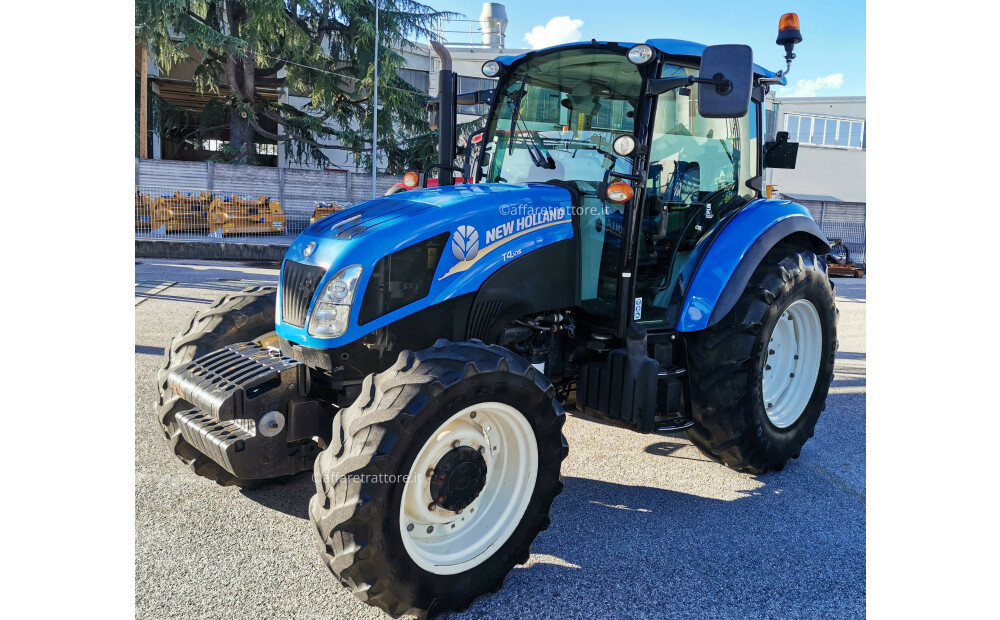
[{"x": 558, "y": 116}]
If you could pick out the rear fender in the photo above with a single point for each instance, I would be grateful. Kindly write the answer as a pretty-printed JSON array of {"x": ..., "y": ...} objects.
[{"x": 738, "y": 249}]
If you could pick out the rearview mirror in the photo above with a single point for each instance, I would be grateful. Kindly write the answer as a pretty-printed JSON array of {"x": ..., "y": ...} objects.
[
  {"x": 781, "y": 153},
  {"x": 730, "y": 69},
  {"x": 433, "y": 114}
]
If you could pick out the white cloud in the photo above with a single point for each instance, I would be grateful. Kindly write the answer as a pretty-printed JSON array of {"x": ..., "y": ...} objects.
[
  {"x": 559, "y": 30},
  {"x": 810, "y": 88}
]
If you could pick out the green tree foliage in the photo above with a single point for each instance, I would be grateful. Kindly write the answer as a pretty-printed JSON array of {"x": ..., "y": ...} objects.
[{"x": 320, "y": 49}]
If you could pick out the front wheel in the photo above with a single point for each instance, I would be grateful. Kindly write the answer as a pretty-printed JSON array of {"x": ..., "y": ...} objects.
[
  {"x": 760, "y": 377},
  {"x": 439, "y": 478}
]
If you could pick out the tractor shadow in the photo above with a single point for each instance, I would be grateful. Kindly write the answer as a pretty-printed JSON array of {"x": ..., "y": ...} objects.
[
  {"x": 634, "y": 551},
  {"x": 290, "y": 497}
]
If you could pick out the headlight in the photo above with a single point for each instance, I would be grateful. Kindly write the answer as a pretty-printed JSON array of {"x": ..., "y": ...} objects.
[
  {"x": 332, "y": 312},
  {"x": 491, "y": 68},
  {"x": 640, "y": 54},
  {"x": 623, "y": 145}
]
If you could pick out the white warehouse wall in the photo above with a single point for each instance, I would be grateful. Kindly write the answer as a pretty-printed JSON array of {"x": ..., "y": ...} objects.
[{"x": 823, "y": 170}]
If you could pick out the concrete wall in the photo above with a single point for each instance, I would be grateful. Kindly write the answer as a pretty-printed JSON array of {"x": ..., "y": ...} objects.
[
  {"x": 297, "y": 190},
  {"x": 823, "y": 170}
]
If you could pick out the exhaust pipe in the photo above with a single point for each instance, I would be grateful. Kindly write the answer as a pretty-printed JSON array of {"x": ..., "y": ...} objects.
[{"x": 446, "y": 115}]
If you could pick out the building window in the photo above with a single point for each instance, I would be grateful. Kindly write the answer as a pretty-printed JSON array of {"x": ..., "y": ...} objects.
[
  {"x": 419, "y": 80},
  {"x": 471, "y": 85},
  {"x": 843, "y": 133}
]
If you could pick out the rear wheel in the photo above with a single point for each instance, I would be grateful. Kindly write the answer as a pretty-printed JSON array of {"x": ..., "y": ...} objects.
[
  {"x": 240, "y": 317},
  {"x": 439, "y": 477},
  {"x": 760, "y": 377}
]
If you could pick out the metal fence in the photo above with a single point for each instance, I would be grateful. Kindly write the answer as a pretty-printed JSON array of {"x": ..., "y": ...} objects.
[
  {"x": 842, "y": 220},
  {"x": 206, "y": 201},
  {"x": 193, "y": 214}
]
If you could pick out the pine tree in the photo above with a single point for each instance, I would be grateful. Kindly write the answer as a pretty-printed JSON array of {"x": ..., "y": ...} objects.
[{"x": 321, "y": 49}]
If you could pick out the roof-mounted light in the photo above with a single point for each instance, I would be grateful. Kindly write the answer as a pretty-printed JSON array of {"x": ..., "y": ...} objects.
[
  {"x": 491, "y": 68},
  {"x": 640, "y": 54}
]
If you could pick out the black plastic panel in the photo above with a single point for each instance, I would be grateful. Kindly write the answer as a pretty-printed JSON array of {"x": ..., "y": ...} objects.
[
  {"x": 401, "y": 278},
  {"x": 298, "y": 285}
]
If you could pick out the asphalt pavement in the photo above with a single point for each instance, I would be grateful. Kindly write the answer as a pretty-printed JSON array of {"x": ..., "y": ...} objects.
[{"x": 646, "y": 527}]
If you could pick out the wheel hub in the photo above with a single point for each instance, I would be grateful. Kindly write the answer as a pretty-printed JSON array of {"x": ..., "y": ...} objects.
[
  {"x": 458, "y": 478},
  {"x": 453, "y": 515},
  {"x": 791, "y": 363}
]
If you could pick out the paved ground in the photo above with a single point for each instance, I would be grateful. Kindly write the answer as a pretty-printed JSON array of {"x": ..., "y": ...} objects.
[{"x": 646, "y": 526}]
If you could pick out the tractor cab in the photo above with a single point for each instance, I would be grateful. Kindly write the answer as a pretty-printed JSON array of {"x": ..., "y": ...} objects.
[{"x": 651, "y": 173}]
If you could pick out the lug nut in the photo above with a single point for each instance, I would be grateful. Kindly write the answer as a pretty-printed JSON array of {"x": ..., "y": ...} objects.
[
  {"x": 471, "y": 415},
  {"x": 430, "y": 472},
  {"x": 791, "y": 374},
  {"x": 409, "y": 528},
  {"x": 432, "y": 506},
  {"x": 456, "y": 443},
  {"x": 770, "y": 351},
  {"x": 482, "y": 449},
  {"x": 430, "y": 528},
  {"x": 767, "y": 368},
  {"x": 795, "y": 357},
  {"x": 769, "y": 405}
]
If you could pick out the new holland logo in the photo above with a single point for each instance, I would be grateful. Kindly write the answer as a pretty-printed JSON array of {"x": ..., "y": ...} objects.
[{"x": 465, "y": 243}]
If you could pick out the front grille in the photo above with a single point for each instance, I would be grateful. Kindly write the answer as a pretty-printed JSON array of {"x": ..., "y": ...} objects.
[{"x": 298, "y": 285}]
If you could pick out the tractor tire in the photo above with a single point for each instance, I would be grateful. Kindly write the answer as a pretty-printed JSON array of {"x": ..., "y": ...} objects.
[
  {"x": 240, "y": 317},
  {"x": 750, "y": 411},
  {"x": 471, "y": 423}
]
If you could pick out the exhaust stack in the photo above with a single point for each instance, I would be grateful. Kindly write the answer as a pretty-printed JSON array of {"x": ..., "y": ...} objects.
[
  {"x": 446, "y": 115},
  {"x": 493, "y": 21}
]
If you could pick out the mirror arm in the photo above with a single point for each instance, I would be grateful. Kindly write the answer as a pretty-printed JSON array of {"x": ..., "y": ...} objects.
[{"x": 658, "y": 86}]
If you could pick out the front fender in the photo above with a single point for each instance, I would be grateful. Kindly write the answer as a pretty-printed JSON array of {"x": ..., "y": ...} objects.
[{"x": 738, "y": 249}]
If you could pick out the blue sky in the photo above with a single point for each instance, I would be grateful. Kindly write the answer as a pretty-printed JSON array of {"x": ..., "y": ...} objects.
[{"x": 830, "y": 60}]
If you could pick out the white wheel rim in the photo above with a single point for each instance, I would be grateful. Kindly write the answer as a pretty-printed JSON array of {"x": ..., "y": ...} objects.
[
  {"x": 445, "y": 542},
  {"x": 791, "y": 363}
]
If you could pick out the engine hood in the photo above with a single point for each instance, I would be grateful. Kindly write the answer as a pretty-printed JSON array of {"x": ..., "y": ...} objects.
[
  {"x": 427, "y": 208},
  {"x": 488, "y": 225}
]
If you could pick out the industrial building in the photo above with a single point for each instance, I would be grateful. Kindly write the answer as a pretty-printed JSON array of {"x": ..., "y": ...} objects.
[{"x": 833, "y": 139}]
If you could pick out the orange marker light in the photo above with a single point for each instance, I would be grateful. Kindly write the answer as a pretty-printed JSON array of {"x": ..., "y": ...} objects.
[
  {"x": 788, "y": 21},
  {"x": 411, "y": 179},
  {"x": 619, "y": 192}
]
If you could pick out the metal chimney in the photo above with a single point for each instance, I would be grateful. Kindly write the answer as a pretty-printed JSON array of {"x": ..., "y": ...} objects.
[{"x": 493, "y": 21}]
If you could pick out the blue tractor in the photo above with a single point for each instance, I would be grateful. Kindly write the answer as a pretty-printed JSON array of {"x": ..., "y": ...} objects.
[{"x": 614, "y": 252}]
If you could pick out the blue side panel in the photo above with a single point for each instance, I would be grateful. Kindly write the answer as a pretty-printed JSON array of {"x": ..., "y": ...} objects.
[
  {"x": 489, "y": 225},
  {"x": 725, "y": 255}
]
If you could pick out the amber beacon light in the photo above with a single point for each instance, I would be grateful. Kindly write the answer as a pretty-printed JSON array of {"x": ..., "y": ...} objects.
[{"x": 788, "y": 31}]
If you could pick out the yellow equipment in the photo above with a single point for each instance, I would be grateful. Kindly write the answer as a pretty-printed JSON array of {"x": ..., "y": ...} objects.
[
  {"x": 143, "y": 213},
  {"x": 324, "y": 209},
  {"x": 180, "y": 212},
  {"x": 246, "y": 215}
]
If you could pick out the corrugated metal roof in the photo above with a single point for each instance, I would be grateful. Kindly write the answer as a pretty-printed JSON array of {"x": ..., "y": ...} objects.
[{"x": 813, "y": 197}]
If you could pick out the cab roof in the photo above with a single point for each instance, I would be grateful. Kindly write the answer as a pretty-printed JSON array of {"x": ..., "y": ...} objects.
[{"x": 670, "y": 47}]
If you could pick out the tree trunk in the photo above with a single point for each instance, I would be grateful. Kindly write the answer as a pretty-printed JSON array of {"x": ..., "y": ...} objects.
[
  {"x": 239, "y": 74},
  {"x": 240, "y": 140}
]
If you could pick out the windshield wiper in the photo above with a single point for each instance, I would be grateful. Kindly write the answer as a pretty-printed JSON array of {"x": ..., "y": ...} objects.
[{"x": 535, "y": 152}]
